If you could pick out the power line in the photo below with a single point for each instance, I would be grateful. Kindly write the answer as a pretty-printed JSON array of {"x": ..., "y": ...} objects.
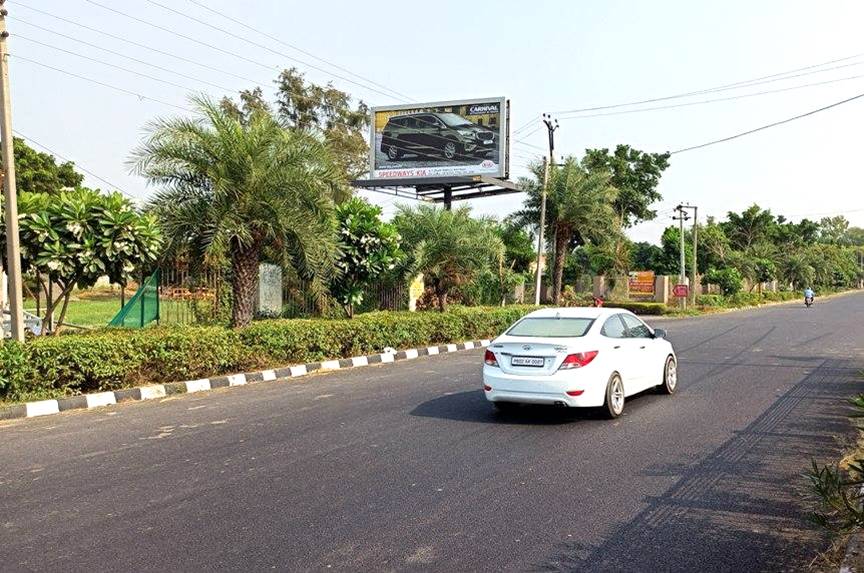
[
  {"x": 264, "y": 47},
  {"x": 707, "y": 101},
  {"x": 137, "y": 44},
  {"x": 85, "y": 170},
  {"x": 103, "y": 84},
  {"x": 104, "y": 63},
  {"x": 727, "y": 87},
  {"x": 293, "y": 47},
  {"x": 770, "y": 125},
  {"x": 213, "y": 47},
  {"x": 119, "y": 54}
]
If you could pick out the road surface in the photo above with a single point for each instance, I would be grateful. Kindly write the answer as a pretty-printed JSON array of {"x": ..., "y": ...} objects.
[{"x": 405, "y": 467}]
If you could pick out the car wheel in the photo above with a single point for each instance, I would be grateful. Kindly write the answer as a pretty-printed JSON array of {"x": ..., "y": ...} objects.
[
  {"x": 451, "y": 150},
  {"x": 670, "y": 376},
  {"x": 614, "y": 396},
  {"x": 393, "y": 153}
]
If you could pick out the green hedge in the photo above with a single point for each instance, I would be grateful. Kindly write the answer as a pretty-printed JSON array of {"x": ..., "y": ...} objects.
[
  {"x": 112, "y": 359},
  {"x": 645, "y": 308}
]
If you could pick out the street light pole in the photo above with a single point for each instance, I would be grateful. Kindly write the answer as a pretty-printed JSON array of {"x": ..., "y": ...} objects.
[{"x": 13, "y": 255}]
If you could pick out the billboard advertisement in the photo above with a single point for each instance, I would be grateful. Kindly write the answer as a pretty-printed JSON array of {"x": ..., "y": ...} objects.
[{"x": 443, "y": 139}]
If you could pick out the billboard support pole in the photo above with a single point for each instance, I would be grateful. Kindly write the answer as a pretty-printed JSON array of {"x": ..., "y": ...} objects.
[
  {"x": 537, "y": 282},
  {"x": 448, "y": 198}
]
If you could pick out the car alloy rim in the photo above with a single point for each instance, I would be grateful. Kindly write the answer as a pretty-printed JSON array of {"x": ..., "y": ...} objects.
[
  {"x": 449, "y": 150},
  {"x": 617, "y": 395},
  {"x": 671, "y": 373}
]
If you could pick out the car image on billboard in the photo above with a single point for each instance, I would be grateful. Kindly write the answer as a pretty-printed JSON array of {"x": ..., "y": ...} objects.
[{"x": 445, "y": 139}]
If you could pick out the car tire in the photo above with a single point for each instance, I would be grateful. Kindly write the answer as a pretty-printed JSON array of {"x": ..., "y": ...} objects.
[
  {"x": 670, "y": 376},
  {"x": 614, "y": 405},
  {"x": 451, "y": 150}
]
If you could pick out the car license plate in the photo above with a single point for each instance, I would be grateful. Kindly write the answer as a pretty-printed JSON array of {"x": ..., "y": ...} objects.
[
  {"x": 527, "y": 361},
  {"x": 487, "y": 142}
]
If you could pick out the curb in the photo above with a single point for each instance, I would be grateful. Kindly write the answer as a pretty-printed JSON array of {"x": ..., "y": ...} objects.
[{"x": 155, "y": 391}]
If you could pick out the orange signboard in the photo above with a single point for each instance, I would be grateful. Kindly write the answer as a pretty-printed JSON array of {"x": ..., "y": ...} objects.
[{"x": 641, "y": 282}]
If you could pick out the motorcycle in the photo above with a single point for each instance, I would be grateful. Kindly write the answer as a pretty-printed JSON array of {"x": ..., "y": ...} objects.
[{"x": 808, "y": 301}]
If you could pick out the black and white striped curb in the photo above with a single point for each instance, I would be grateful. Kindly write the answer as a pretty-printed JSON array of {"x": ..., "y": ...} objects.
[{"x": 154, "y": 391}]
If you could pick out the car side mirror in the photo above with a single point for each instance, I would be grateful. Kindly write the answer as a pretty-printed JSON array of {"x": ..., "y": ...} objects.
[{"x": 659, "y": 333}]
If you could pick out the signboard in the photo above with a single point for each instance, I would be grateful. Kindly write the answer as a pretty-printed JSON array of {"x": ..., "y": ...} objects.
[
  {"x": 460, "y": 138},
  {"x": 641, "y": 282},
  {"x": 681, "y": 291}
]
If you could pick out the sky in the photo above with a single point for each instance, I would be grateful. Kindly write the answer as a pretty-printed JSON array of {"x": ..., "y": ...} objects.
[{"x": 544, "y": 56}]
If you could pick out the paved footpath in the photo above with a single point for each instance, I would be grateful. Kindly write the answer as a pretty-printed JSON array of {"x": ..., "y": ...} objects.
[{"x": 405, "y": 467}]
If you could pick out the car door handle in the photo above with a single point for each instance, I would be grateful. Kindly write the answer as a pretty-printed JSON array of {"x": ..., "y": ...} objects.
[
  {"x": 616, "y": 347},
  {"x": 642, "y": 347}
]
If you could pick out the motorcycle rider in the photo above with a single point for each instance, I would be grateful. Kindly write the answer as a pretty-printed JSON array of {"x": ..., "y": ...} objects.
[{"x": 808, "y": 294}]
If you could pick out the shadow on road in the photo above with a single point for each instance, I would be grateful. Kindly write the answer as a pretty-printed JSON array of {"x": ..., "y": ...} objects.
[
  {"x": 472, "y": 406},
  {"x": 739, "y": 509}
]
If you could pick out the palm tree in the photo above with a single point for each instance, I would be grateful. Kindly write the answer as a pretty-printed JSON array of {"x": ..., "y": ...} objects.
[
  {"x": 450, "y": 248},
  {"x": 233, "y": 186},
  {"x": 579, "y": 210}
]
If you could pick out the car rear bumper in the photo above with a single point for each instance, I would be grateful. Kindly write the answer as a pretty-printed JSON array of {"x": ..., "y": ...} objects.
[{"x": 547, "y": 390}]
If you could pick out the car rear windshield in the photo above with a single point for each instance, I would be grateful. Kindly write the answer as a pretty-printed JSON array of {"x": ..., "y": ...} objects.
[{"x": 551, "y": 327}]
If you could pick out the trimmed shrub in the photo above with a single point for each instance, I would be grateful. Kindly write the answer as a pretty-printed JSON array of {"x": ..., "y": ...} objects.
[
  {"x": 644, "y": 308},
  {"x": 112, "y": 359},
  {"x": 711, "y": 300}
]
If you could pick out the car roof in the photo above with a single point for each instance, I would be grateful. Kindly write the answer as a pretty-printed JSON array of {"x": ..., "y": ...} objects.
[{"x": 577, "y": 312}]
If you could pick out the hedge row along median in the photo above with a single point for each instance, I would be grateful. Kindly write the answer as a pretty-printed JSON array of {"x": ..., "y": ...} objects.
[{"x": 113, "y": 359}]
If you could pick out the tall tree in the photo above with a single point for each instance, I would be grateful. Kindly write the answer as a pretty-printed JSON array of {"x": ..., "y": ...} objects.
[
  {"x": 37, "y": 172},
  {"x": 635, "y": 174},
  {"x": 579, "y": 210},
  {"x": 450, "y": 248},
  {"x": 231, "y": 187},
  {"x": 752, "y": 226},
  {"x": 323, "y": 110},
  {"x": 834, "y": 230}
]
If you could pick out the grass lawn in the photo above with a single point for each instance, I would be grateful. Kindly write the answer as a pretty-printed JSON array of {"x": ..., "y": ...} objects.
[{"x": 87, "y": 308}]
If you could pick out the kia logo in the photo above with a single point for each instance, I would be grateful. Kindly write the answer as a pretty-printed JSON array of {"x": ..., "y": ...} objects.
[{"x": 526, "y": 347}]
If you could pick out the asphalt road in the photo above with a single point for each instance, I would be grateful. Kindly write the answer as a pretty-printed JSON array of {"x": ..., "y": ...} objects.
[{"x": 405, "y": 467}]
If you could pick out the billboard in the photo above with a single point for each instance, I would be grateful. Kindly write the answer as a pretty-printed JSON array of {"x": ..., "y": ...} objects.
[{"x": 443, "y": 139}]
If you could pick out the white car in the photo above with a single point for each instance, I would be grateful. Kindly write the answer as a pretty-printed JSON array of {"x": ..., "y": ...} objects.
[{"x": 578, "y": 358}]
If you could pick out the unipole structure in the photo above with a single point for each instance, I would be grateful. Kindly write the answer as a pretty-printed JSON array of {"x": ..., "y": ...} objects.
[{"x": 13, "y": 250}]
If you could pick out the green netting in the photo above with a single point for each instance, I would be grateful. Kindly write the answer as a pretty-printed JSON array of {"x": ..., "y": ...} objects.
[{"x": 142, "y": 308}]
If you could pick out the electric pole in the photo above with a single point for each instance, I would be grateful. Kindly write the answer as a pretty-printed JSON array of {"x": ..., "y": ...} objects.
[
  {"x": 693, "y": 261},
  {"x": 539, "y": 276},
  {"x": 682, "y": 275},
  {"x": 13, "y": 256},
  {"x": 547, "y": 165}
]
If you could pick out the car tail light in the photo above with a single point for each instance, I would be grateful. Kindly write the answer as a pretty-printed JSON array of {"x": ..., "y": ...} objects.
[
  {"x": 490, "y": 359},
  {"x": 487, "y": 387},
  {"x": 578, "y": 360},
  {"x": 575, "y": 392}
]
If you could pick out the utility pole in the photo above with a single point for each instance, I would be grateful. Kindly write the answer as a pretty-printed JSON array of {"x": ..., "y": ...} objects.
[
  {"x": 695, "y": 248},
  {"x": 16, "y": 298},
  {"x": 539, "y": 276},
  {"x": 682, "y": 275},
  {"x": 551, "y": 127}
]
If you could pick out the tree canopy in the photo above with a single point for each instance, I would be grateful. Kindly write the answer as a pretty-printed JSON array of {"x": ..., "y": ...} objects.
[{"x": 37, "y": 172}]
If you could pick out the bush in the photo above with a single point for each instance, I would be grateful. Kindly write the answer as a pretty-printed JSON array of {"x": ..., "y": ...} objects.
[
  {"x": 112, "y": 359},
  {"x": 728, "y": 279},
  {"x": 711, "y": 300},
  {"x": 645, "y": 308}
]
